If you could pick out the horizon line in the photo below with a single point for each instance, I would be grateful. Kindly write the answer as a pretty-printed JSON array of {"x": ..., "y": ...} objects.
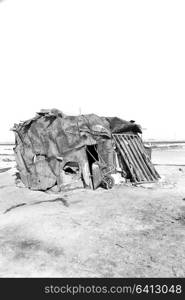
[{"x": 144, "y": 140}]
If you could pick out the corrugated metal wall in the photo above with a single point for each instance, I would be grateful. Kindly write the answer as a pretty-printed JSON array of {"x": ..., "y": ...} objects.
[{"x": 136, "y": 158}]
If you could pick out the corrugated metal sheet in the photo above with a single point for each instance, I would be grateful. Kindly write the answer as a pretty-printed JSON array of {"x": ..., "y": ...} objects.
[{"x": 136, "y": 158}]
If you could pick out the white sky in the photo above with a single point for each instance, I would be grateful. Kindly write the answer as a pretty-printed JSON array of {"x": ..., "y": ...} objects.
[{"x": 114, "y": 58}]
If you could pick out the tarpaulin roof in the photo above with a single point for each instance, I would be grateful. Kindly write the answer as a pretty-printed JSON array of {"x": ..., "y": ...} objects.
[
  {"x": 69, "y": 132},
  {"x": 118, "y": 125}
]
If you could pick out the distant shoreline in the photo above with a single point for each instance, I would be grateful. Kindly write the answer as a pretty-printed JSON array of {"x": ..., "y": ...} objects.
[
  {"x": 154, "y": 143},
  {"x": 163, "y": 142},
  {"x": 165, "y": 145},
  {"x": 7, "y": 144}
]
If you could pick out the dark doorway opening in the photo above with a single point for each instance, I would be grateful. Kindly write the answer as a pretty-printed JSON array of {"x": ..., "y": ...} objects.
[{"x": 92, "y": 155}]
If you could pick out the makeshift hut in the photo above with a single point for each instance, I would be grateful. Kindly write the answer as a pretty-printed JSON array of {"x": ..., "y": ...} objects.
[{"x": 52, "y": 143}]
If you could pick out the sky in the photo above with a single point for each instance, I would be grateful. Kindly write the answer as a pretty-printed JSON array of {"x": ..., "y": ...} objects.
[{"x": 113, "y": 58}]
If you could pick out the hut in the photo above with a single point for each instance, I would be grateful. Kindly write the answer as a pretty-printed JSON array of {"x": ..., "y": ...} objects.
[{"x": 52, "y": 144}]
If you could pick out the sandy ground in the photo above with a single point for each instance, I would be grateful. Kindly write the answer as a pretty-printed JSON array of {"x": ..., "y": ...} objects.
[{"x": 128, "y": 231}]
